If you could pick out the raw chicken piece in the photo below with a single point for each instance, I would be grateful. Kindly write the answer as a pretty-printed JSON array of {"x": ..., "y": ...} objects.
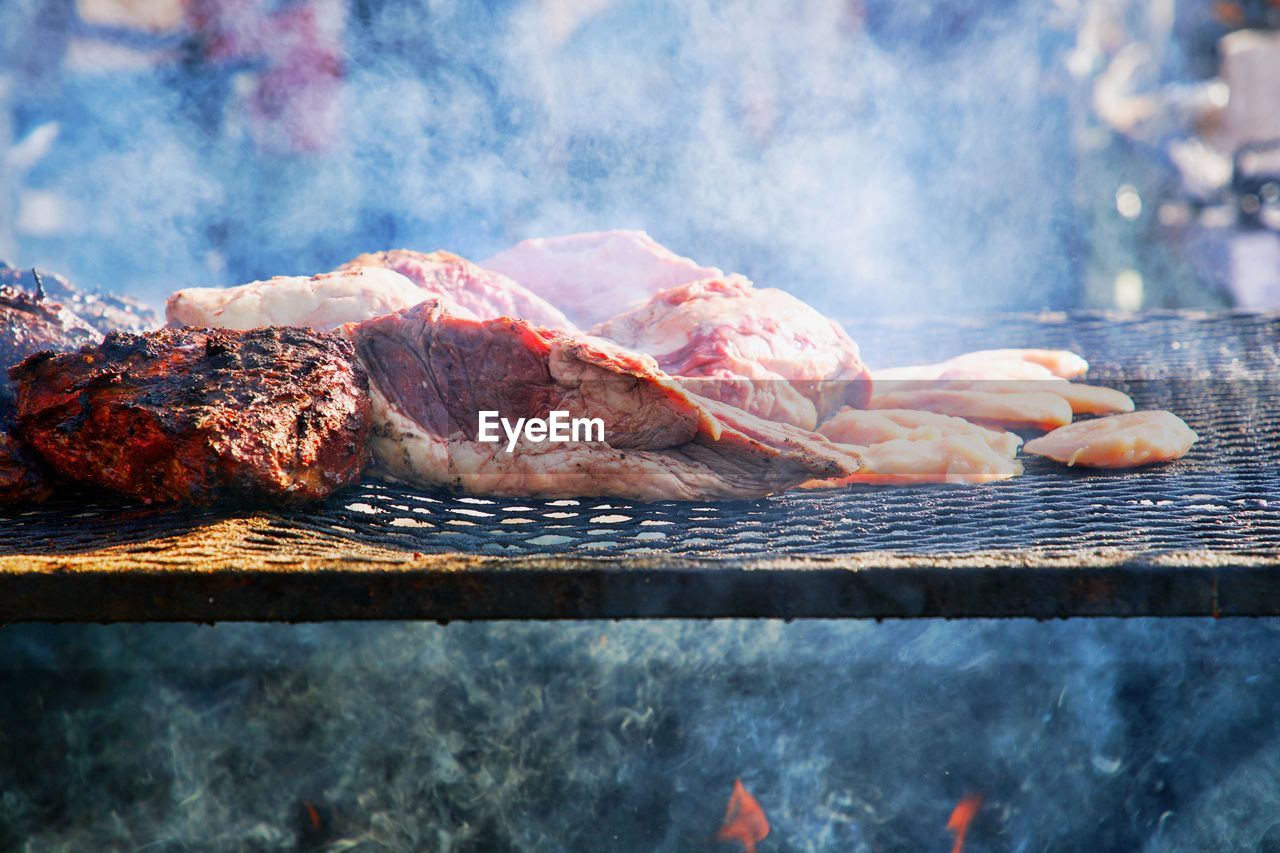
[
  {"x": 1083, "y": 399},
  {"x": 1061, "y": 363},
  {"x": 866, "y": 427},
  {"x": 995, "y": 364},
  {"x": 1118, "y": 441},
  {"x": 595, "y": 275},
  {"x": 1035, "y": 410},
  {"x": 486, "y": 295},
  {"x": 759, "y": 349},
  {"x": 432, "y": 373},
  {"x": 322, "y": 302},
  {"x": 954, "y": 458}
]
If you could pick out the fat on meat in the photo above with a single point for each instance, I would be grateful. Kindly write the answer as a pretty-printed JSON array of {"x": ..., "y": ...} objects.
[
  {"x": 432, "y": 372},
  {"x": 760, "y": 349},
  {"x": 593, "y": 275},
  {"x": 321, "y": 302}
]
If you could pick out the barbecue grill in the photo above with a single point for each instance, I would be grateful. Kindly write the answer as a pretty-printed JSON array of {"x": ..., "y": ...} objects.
[{"x": 1197, "y": 537}]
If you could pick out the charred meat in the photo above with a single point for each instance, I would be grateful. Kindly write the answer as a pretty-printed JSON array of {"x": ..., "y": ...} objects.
[
  {"x": 23, "y": 479},
  {"x": 197, "y": 415},
  {"x": 433, "y": 373},
  {"x": 105, "y": 312}
]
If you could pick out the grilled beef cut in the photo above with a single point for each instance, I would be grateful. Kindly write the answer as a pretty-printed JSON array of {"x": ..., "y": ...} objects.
[
  {"x": 30, "y": 322},
  {"x": 432, "y": 373},
  {"x": 466, "y": 288},
  {"x": 23, "y": 479},
  {"x": 196, "y": 415},
  {"x": 105, "y": 312},
  {"x": 760, "y": 349}
]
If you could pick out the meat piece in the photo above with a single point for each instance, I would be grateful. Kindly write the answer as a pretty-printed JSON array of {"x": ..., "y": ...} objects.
[
  {"x": 105, "y": 312},
  {"x": 322, "y": 302},
  {"x": 279, "y": 414},
  {"x": 1033, "y": 410},
  {"x": 31, "y": 322},
  {"x": 1118, "y": 441},
  {"x": 759, "y": 349},
  {"x": 995, "y": 364},
  {"x": 954, "y": 458},
  {"x": 594, "y": 275},
  {"x": 23, "y": 479},
  {"x": 870, "y": 427},
  {"x": 486, "y": 295},
  {"x": 1083, "y": 399},
  {"x": 433, "y": 373}
]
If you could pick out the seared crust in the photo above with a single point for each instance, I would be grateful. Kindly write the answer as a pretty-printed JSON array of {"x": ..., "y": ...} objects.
[
  {"x": 30, "y": 323},
  {"x": 104, "y": 312},
  {"x": 197, "y": 415},
  {"x": 23, "y": 479}
]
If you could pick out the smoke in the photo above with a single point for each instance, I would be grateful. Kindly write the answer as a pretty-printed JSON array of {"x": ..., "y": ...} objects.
[
  {"x": 867, "y": 158},
  {"x": 1119, "y": 735}
]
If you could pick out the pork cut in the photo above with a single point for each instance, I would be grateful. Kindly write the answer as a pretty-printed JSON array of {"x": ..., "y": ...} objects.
[
  {"x": 593, "y": 275},
  {"x": 322, "y": 302},
  {"x": 467, "y": 288},
  {"x": 433, "y": 372},
  {"x": 197, "y": 415},
  {"x": 760, "y": 349}
]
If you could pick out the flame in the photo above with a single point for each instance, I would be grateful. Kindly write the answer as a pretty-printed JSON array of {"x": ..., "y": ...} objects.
[
  {"x": 744, "y": 820},
  {"x": 961, "y": 816}
]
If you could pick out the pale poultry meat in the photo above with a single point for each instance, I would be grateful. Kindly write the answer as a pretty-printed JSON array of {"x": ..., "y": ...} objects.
[
  {"x": 1022, "y": 410},
  {"x": 760, "y": 349},
  {"x": 996, "y": 364},
  {"x": 594, "y": 275},
  {"x": 1119, "y": 441},
  {"x": 956, "y": 459},
  {"x": 866, "y": 427}
]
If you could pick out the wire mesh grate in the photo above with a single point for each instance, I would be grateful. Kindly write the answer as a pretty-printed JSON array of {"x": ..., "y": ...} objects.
[{"x": 1220, "y": 372}]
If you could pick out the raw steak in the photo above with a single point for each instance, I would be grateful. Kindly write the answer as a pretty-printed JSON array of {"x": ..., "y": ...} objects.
[
  {"x": 485, "y": 294},
  {"x": 760, "y": 349},
  {"x": 594, "y": 275},
  {"x": 433, "y": 372}
]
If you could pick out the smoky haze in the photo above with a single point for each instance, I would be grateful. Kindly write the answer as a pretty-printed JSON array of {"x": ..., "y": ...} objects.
[{"x": 868, "y": 158}]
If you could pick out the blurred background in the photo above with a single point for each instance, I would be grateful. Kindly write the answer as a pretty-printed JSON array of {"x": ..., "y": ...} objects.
[{"x": 869, "y": 155}]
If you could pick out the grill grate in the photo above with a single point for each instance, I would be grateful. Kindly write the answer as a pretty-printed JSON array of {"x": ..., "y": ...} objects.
[{"x": 1216, "y": 507}]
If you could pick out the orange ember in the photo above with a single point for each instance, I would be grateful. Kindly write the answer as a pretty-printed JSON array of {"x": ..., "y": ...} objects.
[
  {"x": 744, "y": 820},
  {"x": 961, "y": 816}
]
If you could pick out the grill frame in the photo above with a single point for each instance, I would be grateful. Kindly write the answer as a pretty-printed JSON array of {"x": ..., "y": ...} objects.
[{"x": 1206, "y": 540}]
